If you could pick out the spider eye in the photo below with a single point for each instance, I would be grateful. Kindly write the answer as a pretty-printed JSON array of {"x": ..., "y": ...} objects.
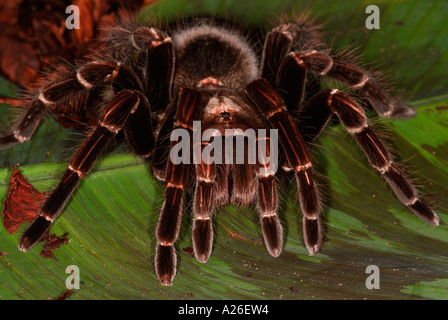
[{"x": 225, "y": 116}]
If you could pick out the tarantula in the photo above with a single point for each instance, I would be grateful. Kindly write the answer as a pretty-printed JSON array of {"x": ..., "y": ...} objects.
[{"x": 214, "y": 72}]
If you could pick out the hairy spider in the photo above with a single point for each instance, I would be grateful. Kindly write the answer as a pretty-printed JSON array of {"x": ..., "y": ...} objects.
[{"x": 154, "y": 81}]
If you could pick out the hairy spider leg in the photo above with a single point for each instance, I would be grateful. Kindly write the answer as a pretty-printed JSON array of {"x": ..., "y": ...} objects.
[
  {"x": 26, "y": 126},
  {"x": 157, "y": 50},
  {"x": 291, "y": 82},
  {"x": 281, "y": 73},
  {"x": 277, "y": 46},
  {"x": 203, "y": 205},
  {"x": 286, "y": 77},
  {"x": 353, "y": 118},
  {"x": 271, "y": 105},
  {"x": 113, "y": 118},
  {"x": 176, "y": 179},
  {"x": 139, "y": 131},
  {"x": 159, "y": 68},
  {"x": 311, "y": 119},
  {"x": 13, "y": 102},
  {"x": 304, "y": 41},
  {"x": 322, "y": 64},
  {"x": 138, "y": 128},
  {"x": 162, "y": 144},
  {"x": 111, "y": 121},
  {"x": 69, "y": 83},
  {"x": 268, "y": 200}
]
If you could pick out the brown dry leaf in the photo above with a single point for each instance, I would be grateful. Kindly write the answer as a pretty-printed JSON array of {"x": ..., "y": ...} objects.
[
  {"x": 53, "y": 242},
  {"x": 65, "y": 295},
  {"x": 33, "y": 34},
  {"x": 21, "y": 203},
  {"x": 21, "y": 206},
  {"x": 29, "y": 37}
]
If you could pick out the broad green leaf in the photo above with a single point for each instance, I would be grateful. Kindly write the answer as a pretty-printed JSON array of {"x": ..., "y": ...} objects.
[{"x": 111, "y": 218}]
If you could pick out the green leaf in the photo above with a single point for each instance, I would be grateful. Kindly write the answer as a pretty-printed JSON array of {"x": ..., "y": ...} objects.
[{"x": 111, "y": 218}]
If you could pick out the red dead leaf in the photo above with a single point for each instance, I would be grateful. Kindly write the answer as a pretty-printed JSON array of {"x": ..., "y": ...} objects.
[
  {"x": 21, "y": 203},
  {"x": 65, "y": 295},
  {"x": 53, "y": 242},
  {"x": 189, "y": 250},
  {"x": 34, "y": 34},
  {"x": 21, "y": 206}
]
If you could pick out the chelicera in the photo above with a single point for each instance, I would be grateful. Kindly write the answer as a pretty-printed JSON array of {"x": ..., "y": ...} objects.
[{"x": 154, "y": 80}]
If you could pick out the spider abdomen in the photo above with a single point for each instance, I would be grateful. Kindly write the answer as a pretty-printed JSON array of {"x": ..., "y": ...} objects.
[{"x": 226, "y": 59}]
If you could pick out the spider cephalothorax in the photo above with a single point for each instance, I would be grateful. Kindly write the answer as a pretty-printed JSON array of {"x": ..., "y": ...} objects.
[{"x": 212, "y": 73}]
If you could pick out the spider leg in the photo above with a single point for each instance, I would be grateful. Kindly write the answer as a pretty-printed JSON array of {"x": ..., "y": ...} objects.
[
  {"x": 26, "y": 126},
  {"x": 289, "y": 78},
  {"x": 162, "y": 145},
  {"x": 89, "y": 76},
  {"x": 158, "y": 74},
  {"x": 13, "y": 102},
  {"x": 277, "y": 45},
  {"x": 267, "y": 200},
  {"x": 243, "y": 186},
  {"x": 176, "y": 179},
  {"x": 321, "y": 63},
  {"x": 139, "y": 130},
  {"x": 112, "y": 120},
  {"x": 204, "y": 201},
  {"x": 316, "y": 114},
  {"x": 273, "y": 108},
  {"x": 158, "y": 51},
  {"x": 155, "y": 53},
  {"x": 355, "y": 121},
  {"x": 283, "y": 72}
]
